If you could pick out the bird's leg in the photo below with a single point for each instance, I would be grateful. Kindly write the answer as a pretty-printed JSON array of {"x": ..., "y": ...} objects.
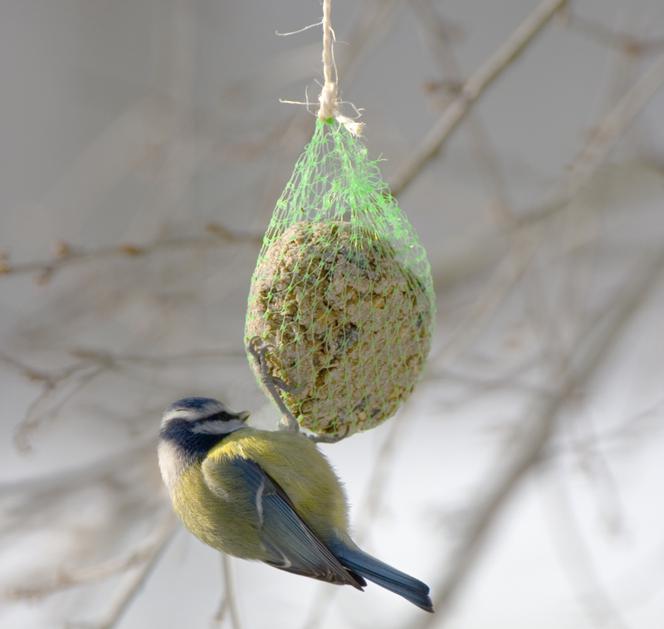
[
  {"x": 289, "y": 388},
  {"x": 258, "y": 348}
]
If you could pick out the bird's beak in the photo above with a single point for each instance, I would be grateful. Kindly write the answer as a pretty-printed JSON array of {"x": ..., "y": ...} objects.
[{"x": 243, "y": 415}]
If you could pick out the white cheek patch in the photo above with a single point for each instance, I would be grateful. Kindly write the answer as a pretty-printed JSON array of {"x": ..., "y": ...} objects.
[
  {"x": 171, "y": 463},
  {"x": 218, "y": 427}
]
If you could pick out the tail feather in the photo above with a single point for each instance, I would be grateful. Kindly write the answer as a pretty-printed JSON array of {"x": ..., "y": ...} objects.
[{"x": 381, "y": 574}]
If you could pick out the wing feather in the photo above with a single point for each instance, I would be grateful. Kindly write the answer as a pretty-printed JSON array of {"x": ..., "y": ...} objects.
[{"x": 288, "y": 540}]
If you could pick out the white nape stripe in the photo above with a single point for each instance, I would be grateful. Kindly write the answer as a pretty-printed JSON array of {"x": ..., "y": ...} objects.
[
  {"x": 259, "y": 501},
  {"x": 218, "y": 427},
  {"x": 192, "y": 414}
]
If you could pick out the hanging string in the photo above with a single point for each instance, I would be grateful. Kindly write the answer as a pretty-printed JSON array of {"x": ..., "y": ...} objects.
[{"x": 329, "y": 97}]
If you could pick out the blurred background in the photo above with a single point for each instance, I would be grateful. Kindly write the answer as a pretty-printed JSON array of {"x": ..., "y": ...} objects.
[{"x": 143, "y": 146}]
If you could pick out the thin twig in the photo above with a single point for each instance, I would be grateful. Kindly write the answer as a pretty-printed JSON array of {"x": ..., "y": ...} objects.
[
  {"x": 482, "y": 253},
  {"x": 68, "y": 256},
  {"x": 70, "y": 479},
  {"x": 376, "y": 487},
  {"x": 217, "y": 235},
  {"x": 614, "y": 124},
  {"x": 228, "y": 603},
  {"x": 22, "y": 368},
  {"x": 77, "y": 378},
  {"x": 91, "y": 365},
  {"x": 645, "y": 422},
  {"x": 155, "y": 360},
  {"x": 380, "y": 475},
  {"x": 137, "y": 581},
  {"x": 474, "y": 385},
  {"x": 484, "y": 152},
  {"x": 536, "y": 432},
  {"x": 587, "y": 582},
  {"x": 601, "y": 142},
  {"x": 625, "y": 42},
  {"x": 75, "y": 577},
  {"x": 472, "y": 89}
]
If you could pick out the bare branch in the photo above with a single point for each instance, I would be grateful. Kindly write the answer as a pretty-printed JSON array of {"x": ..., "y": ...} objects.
[
  {"x": 483, "y": 253},
  {"x": 67, "y": 255},
  {"x": 578, "y": 561},
  {"x": 371, "y": 504},
  {"x": 74, "y": 577},
  {"x": 472, "y": 89},
  {"x": 156, "y": 360},
  {"x": 536, "y": 431},
  {"x": 625, "y": 42},
  {"x": 58, "y": 390},
  {"x": 228, "y": 603},
  {"x": 60, "y": 386},
  {"x": 484, "y": 152},
  {"x": 137, "y": 581},
  {"x": 614, "y": 124}
]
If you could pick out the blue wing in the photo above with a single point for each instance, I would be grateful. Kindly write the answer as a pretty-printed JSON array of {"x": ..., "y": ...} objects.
[{"x": 291, "y": 544}]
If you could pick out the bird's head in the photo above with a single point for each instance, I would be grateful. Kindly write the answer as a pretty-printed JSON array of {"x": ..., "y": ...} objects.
[{"x": 197, "y": 423}]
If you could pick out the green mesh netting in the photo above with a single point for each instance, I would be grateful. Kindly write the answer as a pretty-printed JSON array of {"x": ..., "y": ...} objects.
[{"x": 342, "y": 294}]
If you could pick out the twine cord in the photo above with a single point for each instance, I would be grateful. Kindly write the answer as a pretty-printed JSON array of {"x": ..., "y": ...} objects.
[{"x": 329, "y": 97}]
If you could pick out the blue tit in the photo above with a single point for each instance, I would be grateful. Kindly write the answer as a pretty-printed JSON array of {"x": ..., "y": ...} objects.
[{"x": 267, "y": 496}]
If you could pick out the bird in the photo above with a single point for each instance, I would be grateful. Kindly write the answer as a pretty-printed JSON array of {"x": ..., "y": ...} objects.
[{"x": 263, "y": 495}]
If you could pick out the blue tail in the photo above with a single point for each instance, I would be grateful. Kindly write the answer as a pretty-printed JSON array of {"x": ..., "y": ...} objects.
[{"x": 380, "y": 573}]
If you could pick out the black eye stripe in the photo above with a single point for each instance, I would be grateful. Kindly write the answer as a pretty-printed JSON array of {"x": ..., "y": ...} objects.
[
  {"x": 220, "y": 416},
  {"x": 176, "y": 427}
]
